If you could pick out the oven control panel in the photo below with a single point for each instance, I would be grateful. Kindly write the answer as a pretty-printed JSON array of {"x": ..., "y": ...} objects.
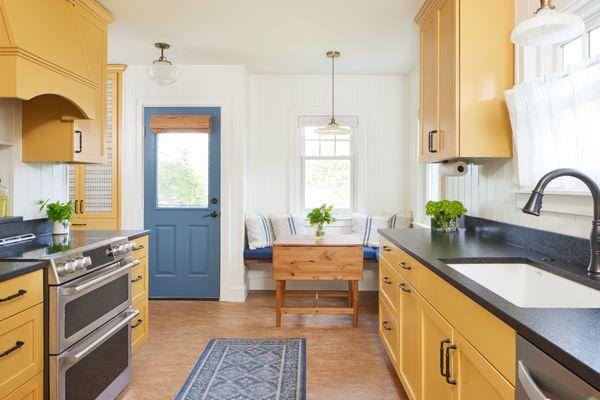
[{"x": 78, "y": 264}]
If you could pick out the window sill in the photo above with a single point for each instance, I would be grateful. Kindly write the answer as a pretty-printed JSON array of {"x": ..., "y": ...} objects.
[{"x": 560, "y": 202}]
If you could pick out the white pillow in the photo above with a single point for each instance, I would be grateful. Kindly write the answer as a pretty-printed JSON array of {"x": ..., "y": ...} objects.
[
  {"x": 401, "y": 220},
  {"x": 287, "y": 225},
  {"x": 258, "y": 231},
  {"x": 365, "y": 226}
]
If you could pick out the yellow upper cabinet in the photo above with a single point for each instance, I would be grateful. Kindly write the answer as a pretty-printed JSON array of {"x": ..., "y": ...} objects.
[
  {"x": 466, "y": 62},
  {"x": 53, "y": 54}
]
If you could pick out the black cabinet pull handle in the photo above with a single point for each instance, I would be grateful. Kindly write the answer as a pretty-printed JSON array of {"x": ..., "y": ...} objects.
[
  {"x": 430, "y": 141},
  {"x": 137, "y": 279},
  {"x": 405, "y": 266},
  {"x": 448, "y": 374},
  {"x": 75, "y": 205},
  {"x": 16, "y": 347},
  {"x": 80, "y": 142},
  {"x": 137, "y": 323},
  {"x": 387, "y": 280},
  {"x": 386, "y": 248},
  {"x": 403, "y": 287},
  {"x": 81, "y": 206},
  {"x": 386, "y": 326},
  {"x": 139, "y": 247},
  {"x": 20, "y": 293},
  {"x": 442, "y": 343}
]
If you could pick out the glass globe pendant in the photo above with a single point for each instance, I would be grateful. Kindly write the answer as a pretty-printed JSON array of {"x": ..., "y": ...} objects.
[{"x": 162, "y": 70}]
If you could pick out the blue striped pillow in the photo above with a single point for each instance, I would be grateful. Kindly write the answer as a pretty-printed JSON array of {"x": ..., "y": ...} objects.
[
  {"x": 287, "y": 225},
  {"x": 258, "y": 231}
]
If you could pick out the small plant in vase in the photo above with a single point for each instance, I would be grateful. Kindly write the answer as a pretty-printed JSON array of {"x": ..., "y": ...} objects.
[
  {"x": 60, "y": 213},
  {"x": 319, "y": 217},
  {"x": 444, "y": 214}
]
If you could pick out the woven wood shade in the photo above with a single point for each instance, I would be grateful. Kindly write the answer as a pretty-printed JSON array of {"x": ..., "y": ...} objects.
[{"x": 180, "y": 124}]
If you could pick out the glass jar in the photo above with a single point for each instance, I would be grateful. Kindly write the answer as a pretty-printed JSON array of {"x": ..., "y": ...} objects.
[{"x": 3, "y": 200}]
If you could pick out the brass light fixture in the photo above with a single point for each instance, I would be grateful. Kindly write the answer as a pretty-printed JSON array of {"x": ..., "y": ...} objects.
[
  {"x": 162, "y": 70},
  {"x": 332, "y": 128}
]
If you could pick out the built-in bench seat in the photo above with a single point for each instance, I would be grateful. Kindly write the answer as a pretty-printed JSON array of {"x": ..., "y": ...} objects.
[{"x": 265, "y": 255}]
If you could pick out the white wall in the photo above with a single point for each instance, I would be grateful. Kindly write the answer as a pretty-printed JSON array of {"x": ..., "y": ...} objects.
[
  {"x": 27, "y": 182},
  {"x": 221, "y": 86},
  {"x": 382, "y": 150}
]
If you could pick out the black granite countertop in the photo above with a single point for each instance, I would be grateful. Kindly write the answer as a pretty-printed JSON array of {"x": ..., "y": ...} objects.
[
  {"x": 570, "y": 336},
  {"x": 12, "y": 269},
  {"x": 84, "y": 238}
]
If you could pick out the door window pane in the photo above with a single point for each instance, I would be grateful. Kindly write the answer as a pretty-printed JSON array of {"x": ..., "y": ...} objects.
[
  {"x": 182, "y": 170},
  {"x": 594, "y": 42},
  {"x": 573, "y": 52},
  {"x": 327, "y": 181}
]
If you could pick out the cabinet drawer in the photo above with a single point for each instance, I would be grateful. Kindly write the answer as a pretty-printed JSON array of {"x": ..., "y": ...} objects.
[
  {"x": 139, "y": 281},
  {"x": 407, "y": 266},
  {"x": 142, "y": 247},
  {"x": 31, "y": 390},
  {"x": 388, "y": 331},
  {"x": 317, "y": 263},
  {"x": 495, "y": 340},
  {"x": 139, "y": 325},
  {"x": 389, "y": 280},
  {"x": 27, "y": 290},
  {"x": 23, "y": 334}
]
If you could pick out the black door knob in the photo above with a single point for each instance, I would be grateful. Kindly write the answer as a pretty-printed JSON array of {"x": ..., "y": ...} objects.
[{"x": 213, "y": 214}]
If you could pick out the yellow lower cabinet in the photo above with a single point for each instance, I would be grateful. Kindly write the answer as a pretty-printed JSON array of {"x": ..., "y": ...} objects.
[
  {"x": 409, "y": 350},
  {"x": 436, "y": 336},
  {"x": 21, "y": 347},
  {"x": 388, "y": 331},
  {"x": 32, "y": 390},
  {"x": 475, "y": 377},
  {"x": 139, "y": 282},
  {"x": 139, "y": 325}
]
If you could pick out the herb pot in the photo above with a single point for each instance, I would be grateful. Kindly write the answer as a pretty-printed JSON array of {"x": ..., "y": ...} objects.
[{"x": 61, "y": 227}]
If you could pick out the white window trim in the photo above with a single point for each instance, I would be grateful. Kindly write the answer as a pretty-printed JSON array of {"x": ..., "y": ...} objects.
[
  {"x": 359, "y": 146},
  {"x": 532, "y": 62}
]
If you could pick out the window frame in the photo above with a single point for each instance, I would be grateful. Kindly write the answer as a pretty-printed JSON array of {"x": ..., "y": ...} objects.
[
  {"x": 591, "y": 18},
  {"x": 340, "y": 213}
]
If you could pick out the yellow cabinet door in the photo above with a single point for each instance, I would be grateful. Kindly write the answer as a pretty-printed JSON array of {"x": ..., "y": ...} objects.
[
  {"x": 32, "y": 390},
  {"x": 436, "y": 336},
  {"x": 139, "y": 325},
  {"x": 476, "y": 378},
  {"x": 446, "y": 140},
  {"x": 429, "y": 88},
  {"x": 409, "y": 349}
]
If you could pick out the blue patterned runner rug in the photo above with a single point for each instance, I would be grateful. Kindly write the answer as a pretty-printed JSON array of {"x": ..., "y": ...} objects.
[{"x": 248, "y": 369}]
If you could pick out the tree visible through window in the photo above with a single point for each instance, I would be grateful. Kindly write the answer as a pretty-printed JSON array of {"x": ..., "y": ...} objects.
[
  {"x": 327, "y": 168},
  {"x": 182, "y": 173}
]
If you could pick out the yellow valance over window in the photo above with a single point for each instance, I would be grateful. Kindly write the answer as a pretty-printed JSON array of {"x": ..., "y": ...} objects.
[{"x": 171, "y": 123}]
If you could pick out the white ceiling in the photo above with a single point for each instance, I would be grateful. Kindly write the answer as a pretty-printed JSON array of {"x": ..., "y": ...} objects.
[{"x": 268, "y": 36}]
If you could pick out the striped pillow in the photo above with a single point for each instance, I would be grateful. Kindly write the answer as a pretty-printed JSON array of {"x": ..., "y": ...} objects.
[
  {"x": 401, "y": 220},
  {"x": 258, "y": 231},
  {"x": 366, "y": 227},
  {"x": 287, "y": 225}
]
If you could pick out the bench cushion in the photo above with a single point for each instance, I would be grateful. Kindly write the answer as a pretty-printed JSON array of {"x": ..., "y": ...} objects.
[{"x": 266, "y": 253}]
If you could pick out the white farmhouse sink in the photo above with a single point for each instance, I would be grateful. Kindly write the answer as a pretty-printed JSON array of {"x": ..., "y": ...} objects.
[{"x": 527, "y": 286}]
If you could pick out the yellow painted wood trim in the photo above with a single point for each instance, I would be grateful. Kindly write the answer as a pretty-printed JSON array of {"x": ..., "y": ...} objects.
[{"x": 97, "y": 10}]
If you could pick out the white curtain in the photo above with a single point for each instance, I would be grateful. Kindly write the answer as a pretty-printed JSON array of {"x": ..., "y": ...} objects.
[{"x": 556, "y": 124}]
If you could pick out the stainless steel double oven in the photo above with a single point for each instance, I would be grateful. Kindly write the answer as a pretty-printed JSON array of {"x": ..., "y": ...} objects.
[{"x": 89, "y": 314}]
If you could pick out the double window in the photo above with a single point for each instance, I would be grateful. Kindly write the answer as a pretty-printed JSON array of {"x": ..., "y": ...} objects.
[
  {"x": 327, "y": 164},
  {"x": 584, "y": 47}
]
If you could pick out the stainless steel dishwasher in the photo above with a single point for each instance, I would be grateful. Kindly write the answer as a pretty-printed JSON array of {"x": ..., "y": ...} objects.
[{"x": 540, "y": 377}]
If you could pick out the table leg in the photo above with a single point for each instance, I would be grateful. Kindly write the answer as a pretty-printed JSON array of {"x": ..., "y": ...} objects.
[
  {"x": 279, "y": 293},
  {"x": 355, "y": 303},
  {"x": 350, "y": 294}
]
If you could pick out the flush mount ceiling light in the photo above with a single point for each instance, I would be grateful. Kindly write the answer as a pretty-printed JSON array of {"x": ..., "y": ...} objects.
[
  {"x": 332, "y": 128},
  {"x": 548, "y": 26},
  {"x": 162, "y": 70}
]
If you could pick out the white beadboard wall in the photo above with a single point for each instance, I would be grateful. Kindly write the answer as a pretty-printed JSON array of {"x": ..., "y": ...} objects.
[
  {"x": 198, "y": 86},
  {"x": 27, "y": 182},
  {"x": 488, "y": 191},
  {"x": 383, "y": 168}
]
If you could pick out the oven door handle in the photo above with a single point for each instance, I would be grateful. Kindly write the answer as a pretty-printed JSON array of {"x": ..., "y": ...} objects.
[
  {"x": 100, "y": 279},
  {"x": 81, "y": 354}
]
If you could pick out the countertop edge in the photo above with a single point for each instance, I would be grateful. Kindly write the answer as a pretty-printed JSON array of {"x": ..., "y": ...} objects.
[
  {"x": 30, "y": 266},
  {"x": 590, "y": 375}
]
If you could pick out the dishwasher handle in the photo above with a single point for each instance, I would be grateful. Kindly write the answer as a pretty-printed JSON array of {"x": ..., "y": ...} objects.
[{"x": 528, "y": 384}]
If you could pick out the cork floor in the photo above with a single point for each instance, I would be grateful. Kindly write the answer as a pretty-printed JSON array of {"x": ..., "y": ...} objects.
[{"x": 342, "y": 362}]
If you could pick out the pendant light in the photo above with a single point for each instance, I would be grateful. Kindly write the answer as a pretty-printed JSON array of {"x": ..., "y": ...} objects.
[
  {"x": 547, "y": 27},
  {"x": 332, "y": 128},
  {"x": 162, "y": 70}
]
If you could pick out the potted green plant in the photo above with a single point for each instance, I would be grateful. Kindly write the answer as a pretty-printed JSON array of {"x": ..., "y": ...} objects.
[
  {"x": 319, "y": 217},
  {"x": 60, "y": 213},
  {"x": 444, "y": 214}
]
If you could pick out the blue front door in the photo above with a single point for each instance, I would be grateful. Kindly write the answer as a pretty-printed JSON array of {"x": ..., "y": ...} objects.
[{"x": 182, "y": 206}]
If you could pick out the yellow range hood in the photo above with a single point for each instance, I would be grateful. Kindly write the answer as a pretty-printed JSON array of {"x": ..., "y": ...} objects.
[{"x": 56, "y": 49}]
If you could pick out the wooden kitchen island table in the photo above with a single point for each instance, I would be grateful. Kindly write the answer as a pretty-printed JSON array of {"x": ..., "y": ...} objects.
[{"x": 304, "y": 258}]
